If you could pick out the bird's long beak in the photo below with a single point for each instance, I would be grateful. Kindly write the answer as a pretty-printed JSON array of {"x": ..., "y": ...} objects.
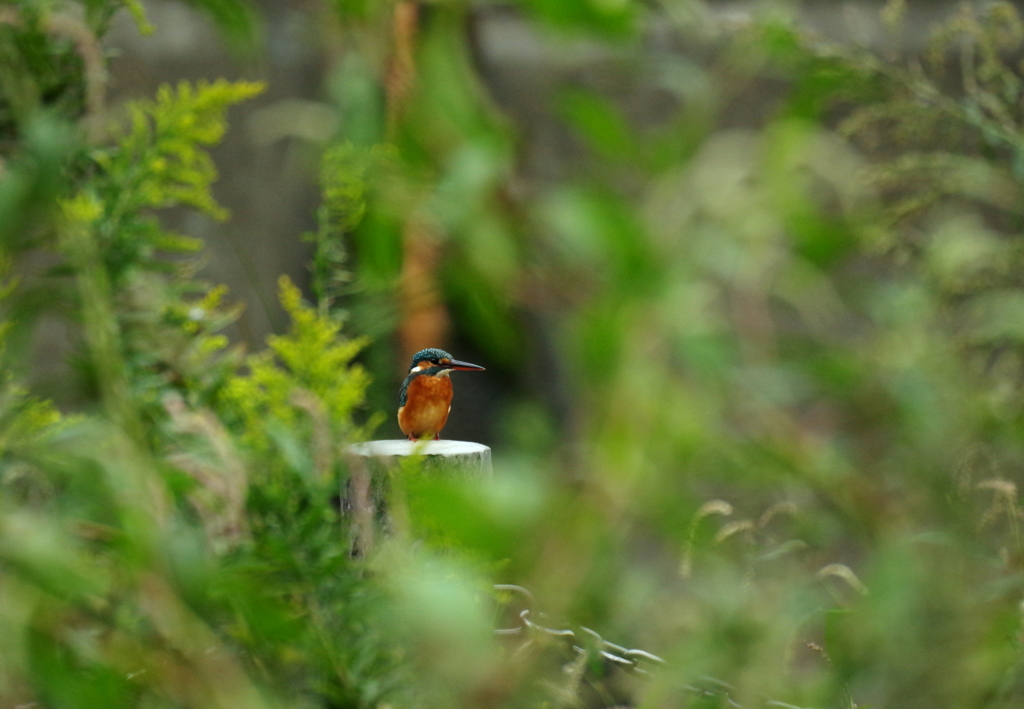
[{"x": 456, "y": 364}]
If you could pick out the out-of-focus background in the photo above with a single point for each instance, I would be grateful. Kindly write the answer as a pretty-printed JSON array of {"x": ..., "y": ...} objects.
[
  {"x": 744, "y": 277},
  {"x": 269, "y": 167}
]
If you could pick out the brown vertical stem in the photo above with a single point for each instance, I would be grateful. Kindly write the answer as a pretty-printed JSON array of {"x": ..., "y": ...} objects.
[
  {"x": 91, "y": 51},
  {"x": 425, "y": 321},
  {"x": 401, "y": 72}
]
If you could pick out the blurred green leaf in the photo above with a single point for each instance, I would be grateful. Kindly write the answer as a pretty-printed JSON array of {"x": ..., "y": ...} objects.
[
  {"x": 237, "y": 20},
  {"x": 614, "y": 18},
  {"x": 34, "y": 179},
  {"x": 599, "y": 123}
]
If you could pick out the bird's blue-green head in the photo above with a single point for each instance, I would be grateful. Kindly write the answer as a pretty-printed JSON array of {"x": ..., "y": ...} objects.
[
  {"x": 431, "y": 355},
  {"x": 433, "y": 361}
]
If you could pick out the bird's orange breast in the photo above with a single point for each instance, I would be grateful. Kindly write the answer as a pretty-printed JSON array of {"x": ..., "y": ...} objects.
[{"x": 427, "y": 403}]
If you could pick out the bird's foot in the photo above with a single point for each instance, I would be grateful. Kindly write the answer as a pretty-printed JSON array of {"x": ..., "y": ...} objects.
[{"x": 437, "y": 437}]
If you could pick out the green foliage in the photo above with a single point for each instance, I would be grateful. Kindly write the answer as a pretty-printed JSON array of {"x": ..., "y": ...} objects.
[
  {"x": 346, "y": 175},
  {"x": 305, "y": 373},
  {"x": 165, "y": 321},
  {"x": 100, "y": 12},
  {"x": 945, "y": 142},
  {"x": 790, "y": 406},
  {"x": 769, "y": 428},
  {"x": 613, "y": 19},
  {"x": 156, "y": 524},
  {"x": 237, "y": 21},
  {"x": 27, "y": 423},
  {"x": 159, "y": 162},
  {"x": 32, "y": 184},
  {"x": 36, "y": 72}
]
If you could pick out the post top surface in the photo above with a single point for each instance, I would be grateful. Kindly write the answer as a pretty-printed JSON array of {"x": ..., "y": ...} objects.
[{"x": 404, "y": 447}]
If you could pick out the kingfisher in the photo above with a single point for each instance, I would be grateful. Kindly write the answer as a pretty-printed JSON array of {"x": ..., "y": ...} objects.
[{"x": 426, "y": 395}]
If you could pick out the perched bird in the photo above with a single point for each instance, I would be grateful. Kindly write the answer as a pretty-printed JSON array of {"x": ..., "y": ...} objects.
[{"x": 426, "y": 395}]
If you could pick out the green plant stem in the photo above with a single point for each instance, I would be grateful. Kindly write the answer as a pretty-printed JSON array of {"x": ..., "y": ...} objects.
[{"x": 102, "y": 331}]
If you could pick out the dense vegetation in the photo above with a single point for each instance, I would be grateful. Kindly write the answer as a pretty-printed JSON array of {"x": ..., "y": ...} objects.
[{"x": 784, "y": 442}]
